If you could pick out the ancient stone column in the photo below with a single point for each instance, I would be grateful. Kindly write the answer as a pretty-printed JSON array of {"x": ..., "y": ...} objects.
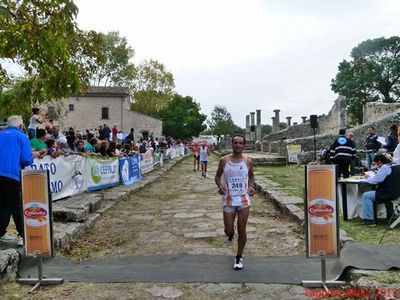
[
  {"x": 289, "y": 121},
  {"x": 248, "y": 127},
  {"x": 258, "y": 128},
  {"x": 304, "y": 119},
  {"x": 252, "y": 125},
  {"x": 277, "y": 121},
  {"x": 258, "y": 123},
  {"x": 273, "y": 125}
]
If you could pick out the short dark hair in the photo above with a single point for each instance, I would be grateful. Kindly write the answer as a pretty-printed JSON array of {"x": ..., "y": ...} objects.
[
  {"x": 342, "y": 131},
  {"x": 40, "y": 132},
  {"x": 394, "y": 128},
  {"x": 372, "y": 127},
  {"x": 239, "y": 135},
  {"x": 382, "y": 158}
]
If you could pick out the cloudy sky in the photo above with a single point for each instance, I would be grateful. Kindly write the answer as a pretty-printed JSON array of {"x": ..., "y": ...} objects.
[{"x": 247, "y": 54}]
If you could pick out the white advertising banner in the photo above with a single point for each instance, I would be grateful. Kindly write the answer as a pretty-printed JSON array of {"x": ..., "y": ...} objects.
[
  {"x": 147, "y": 162},
  {"x": 101, "y": 173},
  {"x": 66, "y": 174}
]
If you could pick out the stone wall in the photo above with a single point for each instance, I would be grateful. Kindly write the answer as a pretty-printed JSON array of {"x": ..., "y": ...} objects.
[
  {"x": 330, "y": 123},
  {"x": 325, "y": 140},
  {"x": 373, "y": 111}
]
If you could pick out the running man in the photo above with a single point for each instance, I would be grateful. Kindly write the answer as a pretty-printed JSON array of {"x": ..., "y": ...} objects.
[
  {"x": 196, "y": 159},
  {"x": 203, "y": 153},
  {"x": 236, "y": 188}
]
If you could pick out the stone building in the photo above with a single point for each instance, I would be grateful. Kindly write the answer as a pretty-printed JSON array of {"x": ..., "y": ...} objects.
[{"x": 103, "y": 105}]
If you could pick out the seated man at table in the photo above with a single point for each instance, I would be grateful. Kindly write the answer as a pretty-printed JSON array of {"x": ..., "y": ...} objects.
[{"x": 382, "y": 191}]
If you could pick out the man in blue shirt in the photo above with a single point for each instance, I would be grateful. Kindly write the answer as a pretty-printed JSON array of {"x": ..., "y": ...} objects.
[
  {"x": 368, "y": 198},
  {"x": 15, "y": 153}
]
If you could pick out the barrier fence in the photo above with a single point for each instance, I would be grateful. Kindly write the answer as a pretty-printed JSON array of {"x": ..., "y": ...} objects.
[{"x": 76, "y": 174}]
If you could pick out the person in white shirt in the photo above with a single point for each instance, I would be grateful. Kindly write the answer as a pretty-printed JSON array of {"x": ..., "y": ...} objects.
[
  {"x": 236, "y": 188},
  {"x": 34, "y": 123},
  {"x": 203, "y": 156}
]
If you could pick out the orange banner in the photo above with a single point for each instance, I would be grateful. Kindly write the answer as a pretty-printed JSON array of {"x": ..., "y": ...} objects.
[
  {"x": 37, "y": 213},
  {"x": 321, "y": 211}
]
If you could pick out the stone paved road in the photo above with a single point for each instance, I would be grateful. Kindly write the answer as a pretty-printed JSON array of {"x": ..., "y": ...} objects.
[{"x": 180, "y": 213}]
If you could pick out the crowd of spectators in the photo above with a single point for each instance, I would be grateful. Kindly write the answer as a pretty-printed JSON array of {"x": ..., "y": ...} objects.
[{"x": 47, "y": 138}]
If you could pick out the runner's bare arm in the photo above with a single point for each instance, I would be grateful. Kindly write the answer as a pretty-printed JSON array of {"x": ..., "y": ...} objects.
[
  {"x": 218, "y": 175},
  {"x": 252, "y": 180}
]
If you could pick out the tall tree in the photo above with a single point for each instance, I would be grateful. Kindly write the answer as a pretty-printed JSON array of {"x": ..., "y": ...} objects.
[
  {"x": 182, "y": 118},
  {"x": 41, "y": 38},
  {"x": 373, "y": 74},
  {"x": 113, "y": 64},
  {"x": 221, "y": 122},
  {"x": 152, "y": 88}
]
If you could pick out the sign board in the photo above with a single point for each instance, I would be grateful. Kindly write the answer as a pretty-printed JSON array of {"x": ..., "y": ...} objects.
[
  {"x": 37, "y": 214},
  {"x": 292, "y": 151},
  {"x": 321, "y": 214}
]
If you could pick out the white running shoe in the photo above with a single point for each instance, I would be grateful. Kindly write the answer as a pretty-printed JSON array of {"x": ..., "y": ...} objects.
[
  {"x": 20, "y": 241},
  {"x": 238, "y": 264},
  {"x": 7, "y": 238}
]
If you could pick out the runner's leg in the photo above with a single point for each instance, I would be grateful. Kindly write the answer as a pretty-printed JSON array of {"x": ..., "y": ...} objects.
[
  {"x": 229, "y": 221},
  {"x": 243, "y": 215}
]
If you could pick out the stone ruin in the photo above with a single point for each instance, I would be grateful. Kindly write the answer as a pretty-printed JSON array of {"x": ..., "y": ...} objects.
[{"x": 377, "y": 114}]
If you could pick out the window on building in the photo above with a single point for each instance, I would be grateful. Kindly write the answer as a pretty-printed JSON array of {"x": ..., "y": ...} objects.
[
  {"x": 71, "y": 107},
  {"x": 104, "y": 112}
]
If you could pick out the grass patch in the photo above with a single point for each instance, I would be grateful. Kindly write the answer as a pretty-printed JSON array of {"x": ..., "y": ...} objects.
[
  {"x": 388, "y": 277},
  {"x": 291, "y": 178}
]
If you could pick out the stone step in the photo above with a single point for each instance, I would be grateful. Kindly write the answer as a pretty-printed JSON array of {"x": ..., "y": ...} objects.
[{"x": 77, "y": 208}]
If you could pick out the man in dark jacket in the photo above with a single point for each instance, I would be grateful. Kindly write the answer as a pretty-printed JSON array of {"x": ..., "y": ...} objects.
[
  {"x": 371, "y": 145},
  {"x": 342, "y": 152},
  {"x": 15, "y": 153}
]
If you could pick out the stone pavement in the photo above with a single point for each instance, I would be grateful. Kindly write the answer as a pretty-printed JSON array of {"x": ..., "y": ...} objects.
[{"x": 73, "y": 216}]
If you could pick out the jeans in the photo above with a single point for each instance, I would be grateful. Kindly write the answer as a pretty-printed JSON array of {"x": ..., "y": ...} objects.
[
  {"x": 368, "y": 199},
  {"x": 370, "y": 158},
  {"x": 10, "y": 204}
]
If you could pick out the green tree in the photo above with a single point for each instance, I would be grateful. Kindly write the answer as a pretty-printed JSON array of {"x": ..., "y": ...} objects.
[
  {"x": 371, "y": 75},
  {"x": 182, "y": 118},
  {"x": 42, "y": 39},
  {"x": 152, "y": 88},
  {"x": 221, "y": 122},
  {"x": 113, "y": 62},
  {"x": 266, "y": 129}
]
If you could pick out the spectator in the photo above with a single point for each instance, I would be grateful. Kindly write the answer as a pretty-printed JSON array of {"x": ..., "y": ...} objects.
[
  {"x": 15, "y": 153},
  {"x": 89, "y": 134},
  {"x": 392, "y": 139},
  {"x": 396, "y": 153},
  {"x": 99, "y": 134},
  {"x": 111, "y": 149},
  {"x": 91, "y": 146},
  {"x": 342, "y": 153},
  {"x": 80, "y": 146},
  {"x": 131, "y": 135},
  {"x": 368, "y": 198},
  {"x": 142, "y": 147},
  {"x": 105, "y": 133},
  {"x": 34, "y": 123},
  {"x": 38, "y": 144},
  {"x": 114, "y": 133},
  {"x": 102, "y": 148},
  {"x": 62, "y": 146},
  {"x": 371, "y": 145},
  {"x": 51, "y": 148}
]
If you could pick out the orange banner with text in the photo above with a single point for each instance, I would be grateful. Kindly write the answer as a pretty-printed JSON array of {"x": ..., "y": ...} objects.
[
  {"x": 37, "y": 216},
  {"x": 321, "y": 211}
]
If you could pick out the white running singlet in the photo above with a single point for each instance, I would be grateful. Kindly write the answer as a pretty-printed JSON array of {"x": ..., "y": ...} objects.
[
  {"x": 236, "y": 183},
  {"x": 203, "y": 154}
]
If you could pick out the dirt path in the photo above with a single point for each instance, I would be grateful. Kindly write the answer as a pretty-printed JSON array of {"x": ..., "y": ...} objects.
[{"x": 180, "y": 213}]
